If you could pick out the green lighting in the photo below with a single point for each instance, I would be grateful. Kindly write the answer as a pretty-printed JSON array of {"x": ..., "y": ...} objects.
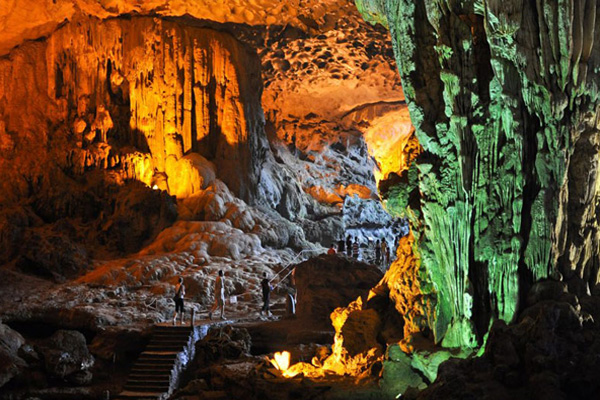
[{"x": 498, "y": 100}]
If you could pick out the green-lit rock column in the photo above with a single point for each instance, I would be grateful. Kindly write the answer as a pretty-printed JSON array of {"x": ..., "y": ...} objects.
[{"x": 501, "y": 94}]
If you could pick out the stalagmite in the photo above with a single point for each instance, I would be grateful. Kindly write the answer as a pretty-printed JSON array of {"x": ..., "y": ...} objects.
[{"x": 504, "y": 97}]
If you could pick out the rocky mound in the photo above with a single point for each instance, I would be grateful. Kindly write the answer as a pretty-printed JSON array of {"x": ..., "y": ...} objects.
[{"x": 316, "y": 277}]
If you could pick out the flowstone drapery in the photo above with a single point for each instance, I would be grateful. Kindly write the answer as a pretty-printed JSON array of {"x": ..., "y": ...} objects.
[{"x": 504, "y": 97}]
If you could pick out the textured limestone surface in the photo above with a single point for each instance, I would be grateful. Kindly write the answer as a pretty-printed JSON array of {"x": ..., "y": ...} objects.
[
  {"x": 505, "y": 109},
  {"x": 149, "y": 99},
  {"x": 25, "y": 19},
  {"x": 135, "y": 150}
]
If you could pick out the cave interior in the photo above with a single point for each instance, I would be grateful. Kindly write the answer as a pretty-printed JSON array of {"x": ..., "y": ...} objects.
[{"x": 351, "y": 199}]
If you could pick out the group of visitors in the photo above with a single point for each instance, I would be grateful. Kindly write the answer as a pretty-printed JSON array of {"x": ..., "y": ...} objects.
[
  {"x": 219, "y": 302},
  {"x": 377, "y": 252}
]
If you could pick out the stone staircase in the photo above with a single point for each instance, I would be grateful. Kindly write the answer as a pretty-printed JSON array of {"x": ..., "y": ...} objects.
[{"x": 155, "y": 375}]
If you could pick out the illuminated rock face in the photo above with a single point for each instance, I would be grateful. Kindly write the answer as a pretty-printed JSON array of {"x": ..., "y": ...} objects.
[
  {"x": 141, "y": 98},
  {"x": 23, "y": 19},
  {"x": 505, "y": 109}
]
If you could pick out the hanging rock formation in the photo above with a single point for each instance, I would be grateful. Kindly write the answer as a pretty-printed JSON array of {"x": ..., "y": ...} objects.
[
  {"x": 503, "y": 96},
  {"x": 143, "y": 98}
]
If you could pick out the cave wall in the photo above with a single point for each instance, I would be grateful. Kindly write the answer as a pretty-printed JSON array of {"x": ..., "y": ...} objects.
[
  {"x": 503, "y": 96},
  {"x": 141, "y": 98}
]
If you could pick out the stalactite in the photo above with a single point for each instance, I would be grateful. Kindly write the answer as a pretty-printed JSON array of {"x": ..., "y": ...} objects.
[{"x": 145, "y": 97}]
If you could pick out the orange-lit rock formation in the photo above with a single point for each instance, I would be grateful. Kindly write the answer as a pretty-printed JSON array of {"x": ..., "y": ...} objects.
[
  {"x": 23, "y": 19},
  {"x": 138, "y": 97}
]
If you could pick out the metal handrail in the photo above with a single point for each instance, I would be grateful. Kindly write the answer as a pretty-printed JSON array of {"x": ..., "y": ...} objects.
[{"x": 292, "y": 262}]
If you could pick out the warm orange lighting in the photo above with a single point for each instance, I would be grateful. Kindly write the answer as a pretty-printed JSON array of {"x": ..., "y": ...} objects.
[
  {"x": 402, "y": 286},
  {"x": 281, "y": 360},
  {"x": 339, "y": 362},
  {"x": 392, "y": 143}
]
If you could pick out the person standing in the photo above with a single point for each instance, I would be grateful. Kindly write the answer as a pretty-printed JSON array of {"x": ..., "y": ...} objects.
[
  {"x": 384, "y": 251},
  {"x": 341, "y": 246},
  {"x": 219, "y": 296},
  {"x": 378, "y": 252},
  {"x": 178, "y": 298},
  {"x": 349, "y": 241},
  {"x": 290, "y": 299},
  {"x": 266, "y": 293},
  {"x": 355, "y": 249}
]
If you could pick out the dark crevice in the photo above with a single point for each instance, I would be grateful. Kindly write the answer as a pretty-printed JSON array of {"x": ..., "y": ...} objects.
[{"x": 531, "y": 125}]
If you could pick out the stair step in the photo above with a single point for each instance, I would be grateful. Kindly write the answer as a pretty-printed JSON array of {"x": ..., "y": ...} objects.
[
  {"x": 153, "y": 362},
  {"x": 156, "y": 348},
  {"x": 163, "y": 339},
  {"x": 153, "y": 365},
  {"x": 169, "y": 343},
  {"x": 168, "y": 349},
  {"x": 149, "y": 389},
  {"x": 143, "y": 376},
  {"x": 172, "y": 329},
  {"x": 138, "y": 396},
  {"x": 150, "y": 372},
  {"x": 172, "y": 333},
  {"x": 158, "y": 355},
  {"x": 146, "y": 387},
  {"x": 149, "y": 382},
  {"x": 183, "y": 339}
]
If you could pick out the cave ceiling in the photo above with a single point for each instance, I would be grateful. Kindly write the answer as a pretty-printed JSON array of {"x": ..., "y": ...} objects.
[{"x": 22, "y": 20}]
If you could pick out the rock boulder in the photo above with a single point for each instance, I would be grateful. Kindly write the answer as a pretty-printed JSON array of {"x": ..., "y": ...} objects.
[
  {"x": 66, "y": 356},
  {"x": 330, "y": 281},
  {"x": 10, "y": 363}
]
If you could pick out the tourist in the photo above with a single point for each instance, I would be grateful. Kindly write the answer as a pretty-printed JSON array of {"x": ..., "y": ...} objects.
[
  {"x": 178, "y": 298},
  {"x": 378, "y": 252},
  {"x": 219, "y": 296},
  {"x": 384, "y": 252},
  {"x": 266, "y": 292},
  {"x": 349, "y": 241},
  {"x": 290, "y": 299},
  {"x": 341, "y": 246},
  {"x": 331, "y": 250},
  {"x": 355, "y": 249}
]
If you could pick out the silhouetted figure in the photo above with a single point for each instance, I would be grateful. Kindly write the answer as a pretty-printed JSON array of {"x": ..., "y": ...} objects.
[
  {"x": 178, "y": 298},
  {"x": 384, "y": 251},
  {"x": 349, "y": 241},
  {"x": 355, "y": 249},
  {"x": 266, "y": 292},
  {"x": 290, "y": 299},
  {"x": 341, "y": 246},
  {"x": 378, "y": 252},
  {"x": 219, "y": 296}
]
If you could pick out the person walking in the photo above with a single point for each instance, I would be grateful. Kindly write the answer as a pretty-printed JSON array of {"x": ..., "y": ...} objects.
[
  {"x": 266, "y": 293},
  {"x": 219, "y": 296},
  {"x": 178, "y": 298}
]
